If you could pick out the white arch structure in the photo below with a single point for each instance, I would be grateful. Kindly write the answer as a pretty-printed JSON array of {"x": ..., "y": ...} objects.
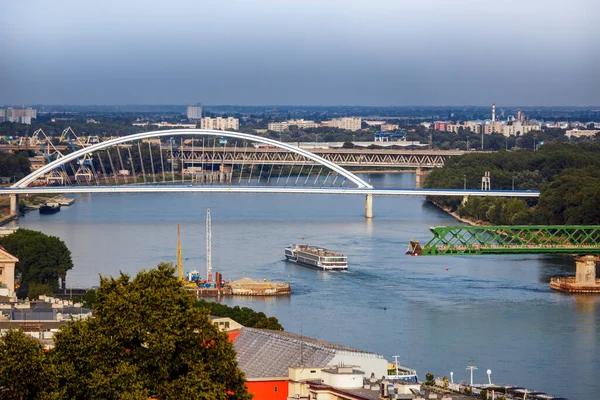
[{"x": 361, "y": 184}]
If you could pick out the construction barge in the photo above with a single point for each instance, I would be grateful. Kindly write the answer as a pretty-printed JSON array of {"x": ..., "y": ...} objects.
[
  {"x": 208, "y": 287},
  {"x": 241, "y": 287}
]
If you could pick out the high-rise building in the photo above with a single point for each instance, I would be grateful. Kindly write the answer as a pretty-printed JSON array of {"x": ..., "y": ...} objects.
[
  {"x": 194, "y": 112},
  {"x": 220, "y": 123},
  {"x": 20, "y": 115}
]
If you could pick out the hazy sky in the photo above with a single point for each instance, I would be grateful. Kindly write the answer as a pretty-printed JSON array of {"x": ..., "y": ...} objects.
[{"x": 318, "y": 52}]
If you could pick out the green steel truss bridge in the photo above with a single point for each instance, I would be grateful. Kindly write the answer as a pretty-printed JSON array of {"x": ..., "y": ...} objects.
[{"x": 522, "y": 239}]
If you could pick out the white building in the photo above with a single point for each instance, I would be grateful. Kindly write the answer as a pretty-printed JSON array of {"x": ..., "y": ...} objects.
[
  {"x": 194, "y": 112},
  {"x": 582, "y": 133},
  {"x": 285, "y": 125},
  {"x": 20, "y": 115},
  {"x": 346, "y": 123},
  {"x": 219, "y": 123}
]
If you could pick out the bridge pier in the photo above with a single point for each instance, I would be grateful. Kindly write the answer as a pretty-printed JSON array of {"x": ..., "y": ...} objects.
[
  {"x": 584, "y": 280},
  {"x": 420, "y": 175},
  {"x": 585, "y": 270},
  {"x": 14, "y": 205},
  {"x": 369, "y": 206}
]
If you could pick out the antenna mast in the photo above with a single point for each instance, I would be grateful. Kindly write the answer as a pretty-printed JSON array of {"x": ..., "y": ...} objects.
[{"x": 208, "y": 247}]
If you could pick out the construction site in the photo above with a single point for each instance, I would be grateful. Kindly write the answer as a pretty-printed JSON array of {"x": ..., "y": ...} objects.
[{"x": 209, "y": 287}]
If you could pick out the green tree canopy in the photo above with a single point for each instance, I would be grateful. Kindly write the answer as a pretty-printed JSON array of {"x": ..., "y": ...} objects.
[
  {"x": 24, "y": 370},
  {"x": 243, "y": 315},
  {"x": 147, "y": 339},
  {"x": 43, "y": 259}
]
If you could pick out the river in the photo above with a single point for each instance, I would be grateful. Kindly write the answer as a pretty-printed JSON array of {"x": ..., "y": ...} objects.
[{"x": 439, "y": 314}]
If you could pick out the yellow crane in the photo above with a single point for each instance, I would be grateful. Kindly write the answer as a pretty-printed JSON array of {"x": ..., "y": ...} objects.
[{"x": 180, "y": 274}]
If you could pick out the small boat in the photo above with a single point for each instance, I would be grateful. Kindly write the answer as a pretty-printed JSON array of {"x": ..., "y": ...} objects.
[
  {"x": 316, "y": 257},
  {"x": 50, "y": 208}
]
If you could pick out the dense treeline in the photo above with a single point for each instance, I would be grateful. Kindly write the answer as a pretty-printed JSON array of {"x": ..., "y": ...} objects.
[
  {"x": 14, "y": 166},
  {"x": 244, "y": 315},
  {"x": 566, "y": 174}
]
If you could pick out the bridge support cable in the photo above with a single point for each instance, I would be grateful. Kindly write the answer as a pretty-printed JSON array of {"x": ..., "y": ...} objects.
[
  {"x": 270, "y": 172},
  {"x": 317, "y": 178},
  {"x": 290, "y": 173},
  {"x": 102, "y": 165},
  {"x": 162, "y": 163},
  {"x": 326, "y": 177},
  {"x": 334, "y": 180},
  {"x": 152, "y": 163},
  {"x": 172, "y": 160},
  {"x": 212, "y": 165},
  {"x": 309, "y": 172},
  {"x": 121, "y": 162},
  {"x": 202, "y": 161},
  {"x": 262, "y": 165},
  {"x": 141, "y": 161},
  {"x": 250, "y": 175},
  {"x": 300, "y": 173},
  {"x": 131, "y": 165},
  {"x": 182, "y": 158},
  {"x": 112, "y": 167}
]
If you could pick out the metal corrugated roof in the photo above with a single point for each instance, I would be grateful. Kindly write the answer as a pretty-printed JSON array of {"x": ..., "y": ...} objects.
[{"x": 264, "y": 353}]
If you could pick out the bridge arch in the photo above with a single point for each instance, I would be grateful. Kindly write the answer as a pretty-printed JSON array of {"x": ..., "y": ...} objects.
[{"x": 360, "y": 183}]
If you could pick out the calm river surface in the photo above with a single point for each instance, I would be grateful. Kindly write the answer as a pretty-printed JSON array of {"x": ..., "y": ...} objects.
[{"x": 439, "y": 314}]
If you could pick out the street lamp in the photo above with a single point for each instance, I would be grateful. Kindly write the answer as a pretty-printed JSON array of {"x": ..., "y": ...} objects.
[
  {"x": 465, "y": 182},
  {"x": 513, "y": 183}
]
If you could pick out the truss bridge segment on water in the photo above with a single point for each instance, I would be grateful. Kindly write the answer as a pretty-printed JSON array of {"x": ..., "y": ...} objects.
[{"x": 521, "y": 239}]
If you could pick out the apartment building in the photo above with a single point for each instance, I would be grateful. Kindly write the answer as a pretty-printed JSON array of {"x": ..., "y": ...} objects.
[{"x": 220, "y": 123}]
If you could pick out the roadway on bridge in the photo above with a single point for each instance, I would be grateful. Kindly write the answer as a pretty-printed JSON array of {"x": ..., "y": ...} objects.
[{"x": 266, "y": 189}]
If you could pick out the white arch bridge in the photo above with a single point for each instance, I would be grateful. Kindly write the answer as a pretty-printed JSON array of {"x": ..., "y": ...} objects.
[{"x": 143, "y": 162}]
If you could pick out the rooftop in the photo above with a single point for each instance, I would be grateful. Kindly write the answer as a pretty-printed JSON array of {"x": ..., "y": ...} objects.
[{"x": 265, "y": 353}]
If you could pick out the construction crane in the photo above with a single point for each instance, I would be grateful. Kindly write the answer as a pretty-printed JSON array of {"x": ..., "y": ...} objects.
[{"x": 208, "y": 247}]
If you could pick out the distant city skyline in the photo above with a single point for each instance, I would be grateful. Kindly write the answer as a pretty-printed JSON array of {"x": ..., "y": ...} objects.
[{"x": 310, "y": 52}]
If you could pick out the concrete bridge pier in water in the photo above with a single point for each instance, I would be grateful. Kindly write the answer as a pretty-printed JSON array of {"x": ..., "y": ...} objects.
[
  {"x": 14, "y": 205},
  {"x": 369, "y": 206}
]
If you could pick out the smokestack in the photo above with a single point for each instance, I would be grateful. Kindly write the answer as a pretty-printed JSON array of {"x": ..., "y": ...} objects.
[{"x": 493, "y": 112}]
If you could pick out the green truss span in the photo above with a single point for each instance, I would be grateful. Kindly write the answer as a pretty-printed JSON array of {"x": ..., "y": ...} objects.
[{"x": 526, "y": 239}]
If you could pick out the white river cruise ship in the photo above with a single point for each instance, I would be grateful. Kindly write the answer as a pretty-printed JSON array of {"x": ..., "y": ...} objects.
[{"x": 316, "y": 257}]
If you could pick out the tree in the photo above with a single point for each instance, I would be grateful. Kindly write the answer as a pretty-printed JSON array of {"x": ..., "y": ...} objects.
[
  {"x": 429, "y": 379},
  {"x": 24, "y": 370},
  {"x": 43, "y": 259},
  {"x": 147, "y": 339}
]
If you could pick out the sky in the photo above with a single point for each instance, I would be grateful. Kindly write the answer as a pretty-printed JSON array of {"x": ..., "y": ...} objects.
[{"x": 311, "y": 52}]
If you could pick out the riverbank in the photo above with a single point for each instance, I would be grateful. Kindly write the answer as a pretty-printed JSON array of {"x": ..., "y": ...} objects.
[
  {"x": 449, "y": 211},
  {"x": 27, "y": 203}
]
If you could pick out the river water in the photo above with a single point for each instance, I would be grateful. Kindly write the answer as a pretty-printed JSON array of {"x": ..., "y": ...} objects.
[{"x": 439, "y": 314}]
